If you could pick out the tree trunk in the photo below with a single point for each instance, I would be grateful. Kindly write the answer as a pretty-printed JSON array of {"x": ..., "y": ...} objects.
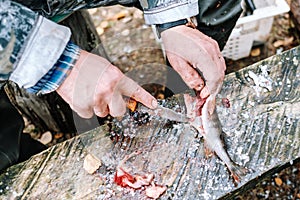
[
  {"x": 295, "y": 6},
  {"x": 50, "y": 112}
]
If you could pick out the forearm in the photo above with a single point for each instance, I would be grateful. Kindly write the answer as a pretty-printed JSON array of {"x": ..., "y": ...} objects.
[
  {"x": 51, "y": 8},
  {"x": 36, "y": 48}
]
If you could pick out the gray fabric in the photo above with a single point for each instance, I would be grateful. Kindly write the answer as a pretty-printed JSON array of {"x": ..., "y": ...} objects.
[{"x": 24, "y": 44}]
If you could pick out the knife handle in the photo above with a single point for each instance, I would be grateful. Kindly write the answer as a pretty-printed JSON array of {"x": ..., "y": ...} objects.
[{"x": 131, "y": 104}]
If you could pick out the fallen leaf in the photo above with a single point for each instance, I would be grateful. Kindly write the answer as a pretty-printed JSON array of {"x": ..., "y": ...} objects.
[
  {"x": 100, "y": 30},
  {"x": 278, "y": 43},
  {"x": 278, "y": 181},
  {"x": 285, "y": 42},
  {"x": 126, "y": 20},
  {"x": 120, "y": 15},
  {"x": 155, "y": 191},
  {"x": 255, "y": 52},
  {"x": 125, "y": 32},
  {"x": 288, "y": 41},
  {"x": 91, "y": 163},
  {"x": 104, "y": 24},
  {"x": 92, "y": 11},
  {"x": 46, "y": 138},
  {"x": 58, "y": 135}
]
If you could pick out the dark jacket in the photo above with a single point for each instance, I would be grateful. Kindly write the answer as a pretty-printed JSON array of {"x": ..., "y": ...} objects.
[{"x": 29, "y": 30}]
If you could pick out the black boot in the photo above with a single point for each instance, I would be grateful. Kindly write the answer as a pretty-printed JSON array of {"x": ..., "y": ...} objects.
[
  {"x": 11, "y": 127},
  {"x": 15, "y": 146},
  {"x": 29, "y": 147}
]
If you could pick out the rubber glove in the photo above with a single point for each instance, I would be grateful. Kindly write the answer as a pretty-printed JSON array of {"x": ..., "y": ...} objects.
[
  {"x": 189, "y": 51},
  {"x": 94, "y": 85}
]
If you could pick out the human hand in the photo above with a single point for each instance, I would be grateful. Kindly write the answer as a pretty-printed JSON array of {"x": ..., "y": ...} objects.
[
  {"x": 189, "y": 51},
  {"x": 96, "y": 86}
]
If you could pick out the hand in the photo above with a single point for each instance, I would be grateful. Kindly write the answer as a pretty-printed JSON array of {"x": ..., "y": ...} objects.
[
  {"x": 188, "y": 49},
  {"x": 96, "y": 86}
]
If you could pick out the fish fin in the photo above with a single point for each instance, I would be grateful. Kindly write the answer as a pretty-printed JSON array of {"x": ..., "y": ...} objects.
[
  {"x": 238, "y": 172},
  {"x": 211, "y": 106},
  {"x": 207, "y": 151}
]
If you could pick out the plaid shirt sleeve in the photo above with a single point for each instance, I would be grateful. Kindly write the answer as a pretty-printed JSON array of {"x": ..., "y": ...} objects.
[{"x": 57, "y": 74}]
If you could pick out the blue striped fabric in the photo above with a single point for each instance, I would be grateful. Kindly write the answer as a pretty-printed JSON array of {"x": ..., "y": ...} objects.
[{"x": 57, "y": 74}]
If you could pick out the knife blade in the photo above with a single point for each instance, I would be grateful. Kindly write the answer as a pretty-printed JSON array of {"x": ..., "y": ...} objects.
[
  {"x": 165, "y": 113},
  {"x": 160, "y": 111}
]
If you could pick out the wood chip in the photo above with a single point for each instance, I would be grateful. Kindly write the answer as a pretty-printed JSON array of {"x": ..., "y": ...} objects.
[
  {"x": 278, "y": 181},
  {"x": 91, "y": 163},
  {"x": 46, "y": 138}
]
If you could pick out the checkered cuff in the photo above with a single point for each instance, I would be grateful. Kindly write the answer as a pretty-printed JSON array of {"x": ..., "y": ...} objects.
[{"x": 57, "y": 74}]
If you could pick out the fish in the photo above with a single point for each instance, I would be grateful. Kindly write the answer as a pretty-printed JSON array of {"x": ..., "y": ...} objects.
[{"x": 209, "y": 126}]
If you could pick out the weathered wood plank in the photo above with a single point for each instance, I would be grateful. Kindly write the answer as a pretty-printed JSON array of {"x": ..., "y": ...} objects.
[
  {"x": 295, "y": 6},
  {"x": 262, "y": 127}
]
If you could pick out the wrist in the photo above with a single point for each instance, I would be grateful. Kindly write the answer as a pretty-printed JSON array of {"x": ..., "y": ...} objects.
[
  {"x": 189, "y": 22},
  {"x": 59, "y": 72}
]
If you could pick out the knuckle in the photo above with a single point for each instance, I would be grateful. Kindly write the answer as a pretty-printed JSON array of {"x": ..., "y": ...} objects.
[
  {"x": 215, "y": 44},
  {"x": 118, "y": 113}
]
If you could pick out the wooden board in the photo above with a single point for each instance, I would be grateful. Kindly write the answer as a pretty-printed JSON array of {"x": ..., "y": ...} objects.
[{"x": 262, "y": 133}]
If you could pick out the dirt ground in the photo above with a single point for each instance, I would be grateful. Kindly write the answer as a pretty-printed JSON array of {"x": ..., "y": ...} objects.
[{"x": 131, "y": 45}]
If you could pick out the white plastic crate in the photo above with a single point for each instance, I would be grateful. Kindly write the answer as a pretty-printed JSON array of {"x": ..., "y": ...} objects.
[{"x": 255, "y": 27}]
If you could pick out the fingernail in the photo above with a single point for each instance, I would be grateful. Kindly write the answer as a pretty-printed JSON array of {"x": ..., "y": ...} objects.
[{"x": 154, "y": 103}]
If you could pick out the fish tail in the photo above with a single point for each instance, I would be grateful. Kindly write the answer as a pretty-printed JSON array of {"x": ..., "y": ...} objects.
[{"x": 238, "y": 172}]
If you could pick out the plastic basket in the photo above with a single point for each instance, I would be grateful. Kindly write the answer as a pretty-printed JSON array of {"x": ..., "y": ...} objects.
[{"x": 255, "y": 27}]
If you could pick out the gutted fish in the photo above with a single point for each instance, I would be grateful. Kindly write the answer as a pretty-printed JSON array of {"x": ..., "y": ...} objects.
[{"x": 209, "y": 125}]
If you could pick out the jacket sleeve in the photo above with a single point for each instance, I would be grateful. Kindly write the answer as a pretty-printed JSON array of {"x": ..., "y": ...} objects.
[
  {"x": 26, "y": 39},
  {"x": 155, "y": 11},
  {"x": 163, "y": 11}
]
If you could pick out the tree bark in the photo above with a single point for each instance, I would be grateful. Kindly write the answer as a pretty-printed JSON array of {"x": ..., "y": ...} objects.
[
  {"x": 50, "y": 112},
  {"x": 295, "y": 6}
]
